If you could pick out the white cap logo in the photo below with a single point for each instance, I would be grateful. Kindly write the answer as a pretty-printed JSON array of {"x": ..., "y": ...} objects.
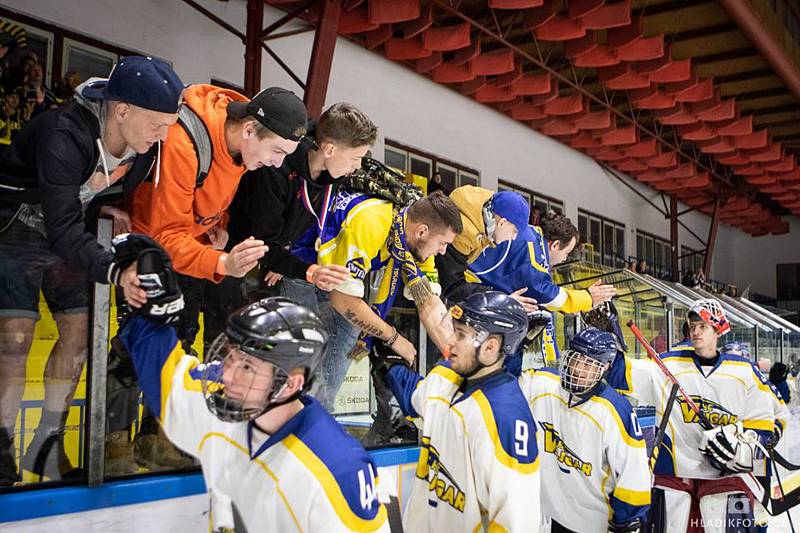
[{"x": 260, "y": 112}]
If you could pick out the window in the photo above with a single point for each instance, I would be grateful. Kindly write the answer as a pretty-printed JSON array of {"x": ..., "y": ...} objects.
[
  {"x": 395, "y": 159},
  {"x": 425, "y": 165},
  {"x": 540, "y": 204},
  {"x": 41, "y": 43},
  {"x": 691, "y": 260},
  {"x": 88, "y": 61},
  {"x": 656, "y": 251},
  {"x": 605, "y": 237},
  {"x": 788, "y": 276}
]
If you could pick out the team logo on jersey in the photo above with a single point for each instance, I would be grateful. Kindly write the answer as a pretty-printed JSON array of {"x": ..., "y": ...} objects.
[
  {"x": 440, "y": 481},
  {"x": 342, "y": 200},
  {"x": 357, "y": 267},
  {"x": 555, "y": 445},
  {"x": 716, "y": 414}
]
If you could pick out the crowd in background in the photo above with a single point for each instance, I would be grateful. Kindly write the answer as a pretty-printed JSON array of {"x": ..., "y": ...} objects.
[{"x": 24, "y": 93}]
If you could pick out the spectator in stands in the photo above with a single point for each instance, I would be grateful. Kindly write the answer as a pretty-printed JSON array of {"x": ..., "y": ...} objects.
[
  {"x": 688, "y": 278},
  {"x": 60, "y": 163},
  {"x": 632, "y": 265},
  {"x": 536, "y": 216},
  {"x": 10, "y": 120},
  {"x": 642, "y": 267},
  {"x": 65, "y": 90},
  {"x": 12, "y": 36},
  {"x": 36, "y": 97},
  {"x": 435, "y": 184}
]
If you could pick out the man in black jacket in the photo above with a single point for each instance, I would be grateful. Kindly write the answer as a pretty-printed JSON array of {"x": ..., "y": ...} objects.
[{"x": 60, "y": 164}]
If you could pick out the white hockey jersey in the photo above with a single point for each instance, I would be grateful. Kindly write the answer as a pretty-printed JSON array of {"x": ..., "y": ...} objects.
[
  {"x": 310, "y": 476},
  {"x": 732, "y": 391},
  {"x": 593, "y": 457},
  {"x": 479, "y": 465}
]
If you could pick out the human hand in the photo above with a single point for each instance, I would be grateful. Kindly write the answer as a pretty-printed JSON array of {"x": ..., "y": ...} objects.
[
  {"x": 244, "y": 257},
  {"x": 601, "y": 293},
  {"x": 403, "y": 347},
  {"x": 329, "y": 277},
  {"x": 272, "y": 278},
  {"x": 122, "y": 220},
  {"x": 527, "y": 302},
  {"x": 129, "y": 281},
  {"x": 218, "y": 237}
]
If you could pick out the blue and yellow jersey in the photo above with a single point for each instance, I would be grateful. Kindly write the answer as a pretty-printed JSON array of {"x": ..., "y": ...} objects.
[
  {"x": 730, "y": 391},
  {"x": 593, "y": 455},
  {"x": 479, "y": 463},
  {"x": 355, "y": 236},
  {"x": 308, "y": 476},
  {"x": 525, "y": 262}
]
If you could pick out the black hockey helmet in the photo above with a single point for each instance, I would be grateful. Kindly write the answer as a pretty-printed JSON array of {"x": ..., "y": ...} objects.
[
  {"x": 276, "y": 331},
  {"x": 587, "y": 360},
  {"x": 491, "y": 313}
]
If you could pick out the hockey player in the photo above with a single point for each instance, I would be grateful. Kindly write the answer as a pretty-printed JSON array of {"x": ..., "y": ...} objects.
[
  {"x": 479, "y": 465},
  {"x": 283, "y": 461},
  {"x": 697, "y": 472},
  {"x": 593, "y": 451},
  {"x": 527, "y": 262}
]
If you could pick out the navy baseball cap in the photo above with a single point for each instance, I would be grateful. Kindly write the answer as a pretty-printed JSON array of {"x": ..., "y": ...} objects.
[
  {"x": 279, "y": 110},
  {"x": 512, "y": 207},
  {"x": 147, "y": 82}
]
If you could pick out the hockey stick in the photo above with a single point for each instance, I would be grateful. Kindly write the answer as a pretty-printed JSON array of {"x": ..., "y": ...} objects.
[
  {"x": 759, "y": 488},
  {"x": 783, "y": 495},
  {"x": 662, "y": 427}
]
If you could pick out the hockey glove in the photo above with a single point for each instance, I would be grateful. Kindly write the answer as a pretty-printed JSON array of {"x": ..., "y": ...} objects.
[
  {"x": 158, "y": 280},
  {"x": 382, "y": 358},
  {"x": 537, "y": 322},
  {"x": 630, "y": 527},
  {"x": 126, "y": 249},
  {"x": 606, "y": 318},
  {"x": 773, "y": 439},
  {"x": 730, "y": 449}
]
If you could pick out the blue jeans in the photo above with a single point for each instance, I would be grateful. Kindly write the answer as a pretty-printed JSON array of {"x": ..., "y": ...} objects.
[{"x": 342, "y": 336}]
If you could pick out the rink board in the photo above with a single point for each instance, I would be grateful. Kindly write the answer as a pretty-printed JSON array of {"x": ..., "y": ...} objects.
[{"x": 179, "y": 501}]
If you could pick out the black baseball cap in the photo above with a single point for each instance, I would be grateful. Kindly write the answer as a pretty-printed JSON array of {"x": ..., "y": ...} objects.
[
  {"x": 147, "y": 82},
  {"x": 279, "y": 110}
]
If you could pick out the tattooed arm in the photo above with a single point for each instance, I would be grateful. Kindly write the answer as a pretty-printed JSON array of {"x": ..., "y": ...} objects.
[
  {"x": 435, "y": 317},
  {"x": 359, "y": 313}
]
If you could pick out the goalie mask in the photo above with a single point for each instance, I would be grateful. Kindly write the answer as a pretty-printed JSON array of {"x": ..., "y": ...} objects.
[
  {"x": 710, "y": 311},
  {"x": 587, "y": 360},
  {"x": 248, "y": 365}
]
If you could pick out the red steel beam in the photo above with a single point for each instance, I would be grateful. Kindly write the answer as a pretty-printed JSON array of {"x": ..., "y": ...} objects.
[
  {"x": 712, "y": 238},
  {"x": 319, "y": 68},
  {"x": 765, "y": 43},
  {"x": 252, "y": 47},
  {"x": 673, "y": 235}
]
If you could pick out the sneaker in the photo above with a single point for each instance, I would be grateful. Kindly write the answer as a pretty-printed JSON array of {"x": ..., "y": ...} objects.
[
  {"x": 119, "y": 458},
  {"x": 9, "y": 474},
  {"x": 46, "y": 458},
  {"x": 156, "y": 452}
]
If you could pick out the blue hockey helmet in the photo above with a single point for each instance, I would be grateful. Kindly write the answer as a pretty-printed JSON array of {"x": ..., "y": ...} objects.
[
  {"x": 493, "y": 313},
  {"x": 588, "y": 358},
  {"x": 738, "y": 348}
]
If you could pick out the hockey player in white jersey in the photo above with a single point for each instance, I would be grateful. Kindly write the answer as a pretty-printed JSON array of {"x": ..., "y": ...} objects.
[
  {"x": 282, "y": 460},
  {"x": 593, "y": 454},
  {"x": 479, "y": 465},
  {"x": 698, "y": 484}
]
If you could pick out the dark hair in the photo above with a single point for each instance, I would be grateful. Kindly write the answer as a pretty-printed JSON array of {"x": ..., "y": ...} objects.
[
  {"x": 686, "y": 332},
  {"x": 345, "y": 124},
  {"x": 557, "y": 227},
  {"x": 438, "y": 212}
]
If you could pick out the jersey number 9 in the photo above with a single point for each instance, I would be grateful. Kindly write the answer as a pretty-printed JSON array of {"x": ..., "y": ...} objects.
[{"x": 521, "y": 438}]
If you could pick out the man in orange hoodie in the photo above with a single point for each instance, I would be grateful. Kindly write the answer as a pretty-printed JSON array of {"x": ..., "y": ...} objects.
[{"x": 186, "y": 212}]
